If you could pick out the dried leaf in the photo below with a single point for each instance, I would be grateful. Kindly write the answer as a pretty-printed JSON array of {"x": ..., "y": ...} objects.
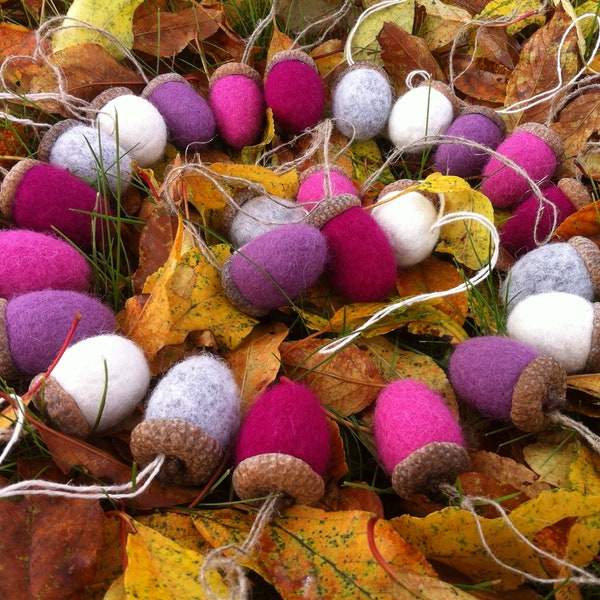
[
  {"x": 18, "y": 42},
  {"x": 480, "y": 78},
  {"x": 353, "y": 498},
  {"x": 366, "y": 160},
  {"x": 584, "y": 222},
  {"x": 328, "y": 56},
  {"x": 250, "y": 154},
  {"x": 444, "y": 25},
  {"x": 279, "y": 42},
  {"x": 584, "y": 472},
  {"x": 551, "y": 462},
  {"x": 519, "y": 14}
]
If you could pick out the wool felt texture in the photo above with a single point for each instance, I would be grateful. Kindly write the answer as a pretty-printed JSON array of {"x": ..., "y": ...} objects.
[
  {"x": 461, "y": 160},
  {"x": 137, "y": 126},
  {"x": 555, "y": 267},
  {"x": 407, "y": 416},
  {"x": 407, "y": 223},
  {"x": 504, "y": 187},
  {"x": 34, "y": 261},
  {"x": 107, "y": 365},
  {"x": 189, "y": 118},
  {"x": 420, "y": 112},
  {"x": 261, "y": 214},
  {"x": 94, "y": 157},
  {"x": 286, "y": 418},
  {"x": 484, "y": 371},
  {"x": 557, "y": 324},
  {"x": 238, "y": 104},
  {"x": 294, "y": 92},
  {"x": 315, "y": 187},
  {"x": 361, "y": 265},
  {"x": 37, "y": 324},
  {"x": 361, "y": 102},
  {"x": 202, "y": 390},
  {"x": 518, "y": 234},
  {"x": 49, "y": 197}
]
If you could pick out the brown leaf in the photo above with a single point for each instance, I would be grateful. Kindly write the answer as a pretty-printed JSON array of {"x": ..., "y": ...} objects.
[
  {"x": 585, "y": 222},
  {"x": 16, "y": 40},
  {"x": 353, "y": 498},
  {"x": 496, "y": 45},
  {"x": 480, "y": 78}
]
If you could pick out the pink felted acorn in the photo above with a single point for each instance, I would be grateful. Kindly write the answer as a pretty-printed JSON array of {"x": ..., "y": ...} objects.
[
  {"x": 34, "y": 261},
  {"x": 96, "y": 384},
  {"x": 42, "y": 197},
  {"x": 294, "y": 91},
  {"x": 318, "y": 182},
  {"x": 418, "y": 440},
  {"x": 283, "y": 445},
  {"x": 189, "y": 118},
  {"x": 192, "y": 417},
  {"x": 35, "y": 325},
  {"x": 237, "y": 99}
]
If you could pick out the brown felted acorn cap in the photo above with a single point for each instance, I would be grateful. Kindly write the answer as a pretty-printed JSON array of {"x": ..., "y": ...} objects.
[
  {"x": 401, "y": 184},
  {"x": 50, "y": 137},
  {"x": 275, "y": 472},
  {"x": 576, "y": 192},
  {"x": 297, "y": 55},
  {"x": 235, "y": 296},
  {"x": 235, "y": 68},
  {"x": 304, "y": 175},
  {"x": 545, "y": 133},
  {"x": 593, "y": 362},
  {"x": 589, "y": 253},
  {"x": 60, "y": 407},
  {"x": 8, "y": 369},
  {"x": 11, "y": 183},
  {"x": 444, "y": 89},
  {"x": 361, "y": 64},
  {"x": 192, "y": 455},
  {"x": 428, "y": 467},
  {"x": 103, "y": 98},
  {"x": 159, "y": 80},
  {"x": 328, "y": 208},
  {"x": 485, "y": 111},
  {"x": 231, "y": 208},
  {"x": 540, "y": 389}
]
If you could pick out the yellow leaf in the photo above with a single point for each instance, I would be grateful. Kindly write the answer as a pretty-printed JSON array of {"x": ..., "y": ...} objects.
[
  {"x": 177, "y": 527},
  {"x": 249, "y": 154},
  {"x": 552, "y": 462},
  {"x": 502, "y": 9},
  {"x": 117, "y": 590},
  {"x": 584, "y": 474},
  {"x": 443, "y": 25},
  {"x": 114, "y": 17}
]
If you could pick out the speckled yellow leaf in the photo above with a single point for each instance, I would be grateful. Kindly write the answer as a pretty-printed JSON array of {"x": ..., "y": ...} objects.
[
  {"x": 443, "y": 25},
  {"x": 584, "y": 474},
  {"x": 497, "y": 9},
  {"x": 249, "y": 154},
  {"x": 552, "y": 462}
]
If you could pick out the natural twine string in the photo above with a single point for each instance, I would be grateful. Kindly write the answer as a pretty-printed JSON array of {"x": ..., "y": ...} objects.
[
  {"x": 260, "y": 27},
  {"x": 331, "y": 20},
  {"x": 17, "y": 428},
  {"x": 565, "y": 421}
]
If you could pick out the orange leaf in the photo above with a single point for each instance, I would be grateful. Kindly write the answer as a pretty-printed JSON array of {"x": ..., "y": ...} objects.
[
  {"x": 585, "y": 222},
  {"x": 481, "y": 78},
  {"x": 279, "y": 42}
]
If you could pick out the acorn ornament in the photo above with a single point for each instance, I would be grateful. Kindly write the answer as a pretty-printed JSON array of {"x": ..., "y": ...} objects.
[
  {"x": 320, "y": 181},
  {"x": 96, "y": 384},
  {"x": 283, "y": 445},
  {"x": 192, "y": 417},
  {"x": 418, "y": 439}
]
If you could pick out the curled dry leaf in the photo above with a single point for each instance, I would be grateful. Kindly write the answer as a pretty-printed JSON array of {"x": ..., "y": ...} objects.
[{"x": 585, "y": 222}]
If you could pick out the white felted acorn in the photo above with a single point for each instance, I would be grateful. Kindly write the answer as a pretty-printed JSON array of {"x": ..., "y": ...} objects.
[
  {"x": 96, "y": 384},
  {"x": 191, "y": 418}
]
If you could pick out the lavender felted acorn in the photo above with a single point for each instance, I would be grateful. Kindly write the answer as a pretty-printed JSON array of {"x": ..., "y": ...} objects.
[
  {"x": 274, "y": 268},
  {"x": 283, "y": 445},
  {"x": 418, "y": 440},
  {"x": 189, "y": 118},
  {"x": 320, "y": 181},
  {"x": 42, "y": 197},
  {"x": 34, "y": 261},
  {"x": 294, "y": 91},
  {"x": 237, "y": 99},
  {"x": 88, "y": 153},
  {"x": 34, "y": 326},
  {"x": 508, "y": 380},
  {"x": 96, "y": 384},
  {"x": 191, "y": 418}
]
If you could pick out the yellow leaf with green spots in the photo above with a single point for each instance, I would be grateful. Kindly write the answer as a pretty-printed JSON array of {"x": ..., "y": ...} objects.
[
  {"x": 551, "y": 462},
  {"x": 443, "y": 25},
  {"x": 366, "y": 160},
  {"x": 515, "y": 13},
  {"x": 584, "y": 474}
]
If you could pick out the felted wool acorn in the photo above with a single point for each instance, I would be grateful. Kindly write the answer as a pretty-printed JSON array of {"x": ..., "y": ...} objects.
[
  {"x": 318, "y": 182},
  {"x": 96, "y": 384},
  {"x": 508, "y": 380},
  {"x": 533, "y": 221},
  {"x": 294, "y": 91},
  {"x": 274, "y": 268},
  {"x": 42, "y": 197},
  {"x": 35, "y": 325},
  {"x": 189, "y": 118},
  {"x": 191, "y": 418},
  {"x": 407, "y": 221},
  {"x": 533, "y": 147},
  {"x": 134, "y": 122},
  {"x": 237, "y": 99},
  {"x": 283, "y": 445},
  {"x": 418, "y": 440},
  {"x": 87, "y": 153},
  {"x": 361, "y": 101},
  {"x": 422, "y": 112},
  {"x": 34, "y": 261},
  {"x": 478, "y": 124},
  {"x": 562, "y": 325},
  {"x": 572, "y": 266}
]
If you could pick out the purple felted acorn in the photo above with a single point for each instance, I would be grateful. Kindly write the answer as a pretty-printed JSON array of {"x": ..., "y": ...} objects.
[
  {"x": 237, "y": 99},
  {"x": 42, "y": 197},
  {"x": 283, "y": 445},
  {"x": 507, "y": 380},
  {"x": 418, "y": 440},
  {"x": 189, "y": 118},
  {"x": 35, "y": 325},
  {"x": 294, "y": 91},
  {"x": 33, "y": 261}
]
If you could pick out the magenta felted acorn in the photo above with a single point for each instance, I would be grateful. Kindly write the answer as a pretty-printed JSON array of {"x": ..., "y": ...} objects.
[
  {"x": 237, "y": 99},
  {"x": 35, "y": 325},
  {"x": 507, "y": 380},
  {"x": 189, "y": 118},
  {"x": 283, "y": 445},
  {"x": 273, "y": 269},
  {"x": 42, "y": 197},
  {"x": 533, "y": 147},
  {"x": 34, "y": 261},
  {"x": 294, "y": 91},
  {"x": 318, "y": 182},
  {"x": 418, "y": 440}
]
